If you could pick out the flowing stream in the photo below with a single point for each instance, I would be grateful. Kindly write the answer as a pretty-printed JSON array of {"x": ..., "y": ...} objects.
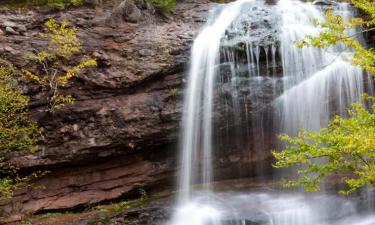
[{"x": 247, "y": 83}]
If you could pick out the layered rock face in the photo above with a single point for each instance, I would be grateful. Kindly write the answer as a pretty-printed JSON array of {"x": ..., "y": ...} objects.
[{"x": 121, "y": 133}]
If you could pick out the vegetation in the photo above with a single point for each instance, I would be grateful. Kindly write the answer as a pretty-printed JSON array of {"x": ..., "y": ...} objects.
[
  {"x": 334, "y": 31},
  {"x": 166, "y": 5},
  {"x": 17, "y": 132},
  {"x": 54, "y": 4},
  {"x": 347, "y": 146},
  {"x": 55, "y": 63},
  {"x": 61, "y": 4}
]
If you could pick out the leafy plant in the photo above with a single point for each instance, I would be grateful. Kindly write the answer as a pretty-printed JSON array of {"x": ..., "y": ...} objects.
[
  {"x": 347, "y": 146},
  {"x": 55, "y": 4},
  {"x": 334, "y": 31},
  {"x": 17, "y": 132},
  {"x": 55, "y": 63},
  {"x": 166, "y": 5}
]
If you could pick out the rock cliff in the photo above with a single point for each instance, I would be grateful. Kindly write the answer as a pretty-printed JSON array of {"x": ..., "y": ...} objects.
[{"x": 121, "y": 132}]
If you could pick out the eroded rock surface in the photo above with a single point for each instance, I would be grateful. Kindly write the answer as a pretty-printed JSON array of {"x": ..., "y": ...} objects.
[{"x": 120, "y": 134}]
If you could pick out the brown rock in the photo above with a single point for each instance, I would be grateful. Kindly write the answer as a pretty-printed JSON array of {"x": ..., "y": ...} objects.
[{"x": 120, "y": 134}]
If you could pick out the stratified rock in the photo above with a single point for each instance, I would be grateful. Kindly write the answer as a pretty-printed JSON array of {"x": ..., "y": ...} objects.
[{"x": 121, "y": 132}]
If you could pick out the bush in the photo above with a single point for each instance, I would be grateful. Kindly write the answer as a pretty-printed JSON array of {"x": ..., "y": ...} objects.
[
  {"x": 55, "y": 4},
  {"x": 55, "y": 66},
  {"x": 166, "y": 5},
  {"x": 17, "y": 132}
]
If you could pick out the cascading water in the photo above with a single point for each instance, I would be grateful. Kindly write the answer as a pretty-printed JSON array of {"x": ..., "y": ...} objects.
[
  {"x": 197, "y": 132},
  {"x": 318, "y": 83},
  {"x": 244, "y": 85}
]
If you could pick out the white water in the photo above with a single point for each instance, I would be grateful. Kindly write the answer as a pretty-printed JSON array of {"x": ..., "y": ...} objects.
[
  {"x": 197, "y": 135},
  {"x": 318, "y": 82},
  {"x": 267, "y": 208},
  {"x": 315, "y": 85}
]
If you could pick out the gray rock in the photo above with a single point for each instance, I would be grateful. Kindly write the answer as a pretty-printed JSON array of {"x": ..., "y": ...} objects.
[
  {"x": 146, "y": 52},
  {"x": 9, "y": 24},
  {"x": 323, "y": 2},
  {"x": 10, "y": 50},
  {"x": 10, "y": 30},
  {"x": 21, "y": 28},
  {"x": 128, "y": 11},
  {"x": 134, "y": 16}
]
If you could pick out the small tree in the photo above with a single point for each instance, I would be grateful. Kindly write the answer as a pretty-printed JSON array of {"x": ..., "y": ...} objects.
[
  {"x": 166, "y": 5},
  {"x": 17, "y": 132},
  {"x": 55, "y": 65},
  {"x": 347, "y": 146},
  {"x": 334, "y": 31}
]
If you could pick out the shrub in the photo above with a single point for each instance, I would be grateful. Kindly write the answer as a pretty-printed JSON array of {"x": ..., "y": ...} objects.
[{"x": 55, "y": 63}]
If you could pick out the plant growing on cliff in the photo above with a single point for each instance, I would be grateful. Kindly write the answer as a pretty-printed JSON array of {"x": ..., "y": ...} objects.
[
  {"x": 334, "y": 31},
  {"x": 61, "y": 4},
  {"x": 54, "y": 63},
  {"x": 166, "y": 5},
  {"x": 54, "y": 4},
  {"x": 17, "y": 132},
  {"x": 347, "y": 146}
]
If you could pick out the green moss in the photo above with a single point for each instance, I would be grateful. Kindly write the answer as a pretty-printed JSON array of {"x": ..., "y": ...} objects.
[
  {"x": 55, "y": 4},
  {"x": 100, "y": 221},
  {"x": 166, "y": 5}
]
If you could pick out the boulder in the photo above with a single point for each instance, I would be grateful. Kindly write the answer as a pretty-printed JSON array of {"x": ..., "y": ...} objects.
[{"x": 10, "y": 31}]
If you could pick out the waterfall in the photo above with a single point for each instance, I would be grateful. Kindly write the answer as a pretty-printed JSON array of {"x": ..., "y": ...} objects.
[
  {"x": 318, "y": 83},
  {"x": 247, "y": 87},
  {"x": 197, "y": 135}
]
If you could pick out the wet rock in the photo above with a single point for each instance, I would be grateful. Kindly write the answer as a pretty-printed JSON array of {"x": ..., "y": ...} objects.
[
  {"x": 92, "y": 2},
  {"x": 324, "y": 2}
]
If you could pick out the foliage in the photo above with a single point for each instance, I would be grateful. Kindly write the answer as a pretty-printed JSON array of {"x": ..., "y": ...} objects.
[
  {"x": 54, "y": 4},
  {"x": 26, "y": 221},
  {"x": 347, "y": 146},
  {"x": 61, "y": 4},
  {"x": 124, "y": 205},
  {"x": 334, "y": 31},
  {"x": 166, "y": 5},
  {"x": 17, "y": 132},
  {"x": 173, "y": 91},
  {"x": 54, "y": 63}
]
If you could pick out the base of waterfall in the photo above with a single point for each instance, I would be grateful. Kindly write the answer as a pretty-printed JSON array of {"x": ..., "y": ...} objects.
[{"x": 271, "y": 208}]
